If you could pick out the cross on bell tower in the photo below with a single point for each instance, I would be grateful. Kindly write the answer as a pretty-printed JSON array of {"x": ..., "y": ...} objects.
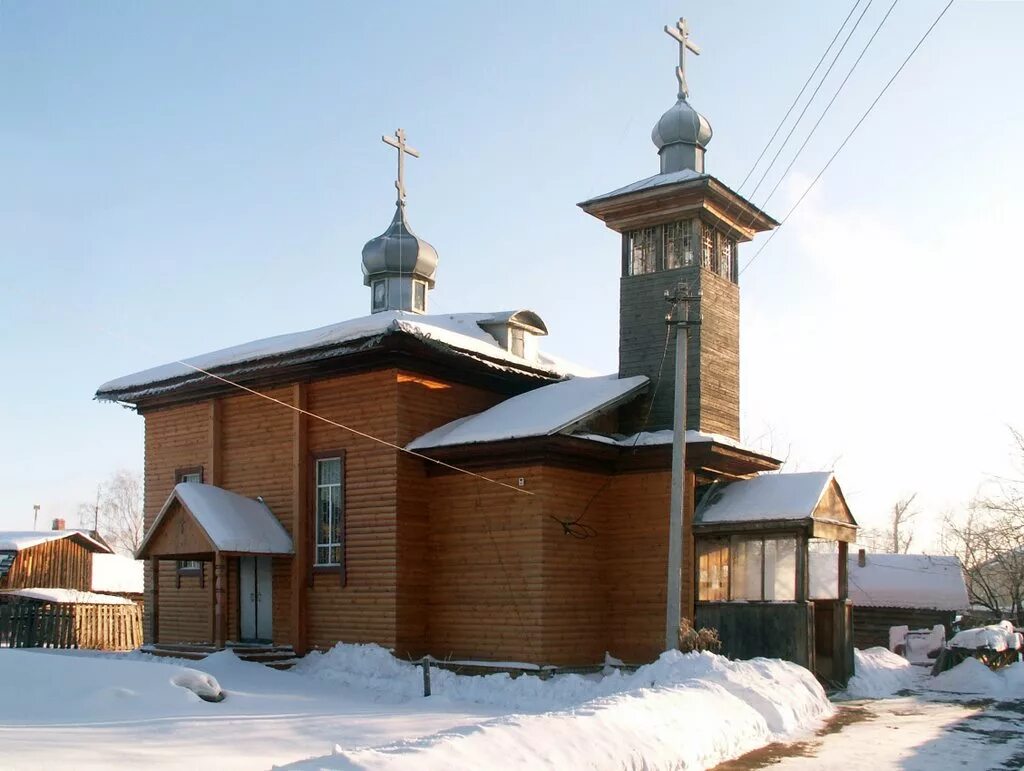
[
  {"x": 398, "y": 142},
  {"x": 681, "y": 34}
]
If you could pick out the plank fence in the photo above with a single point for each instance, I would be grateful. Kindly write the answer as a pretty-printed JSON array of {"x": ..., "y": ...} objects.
[{"x": 46, "y": 625}]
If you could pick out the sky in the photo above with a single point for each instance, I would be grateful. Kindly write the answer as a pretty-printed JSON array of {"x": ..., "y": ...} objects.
[{"x": 177, "y": 177}]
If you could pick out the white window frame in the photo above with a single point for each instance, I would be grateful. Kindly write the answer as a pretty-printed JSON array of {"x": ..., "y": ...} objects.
[
  {"x": 319, "y": 545},
  {"x": 190, "y": 566},
  {"x": 419, "y": 287},
  {"x": 379, "y": 306}
]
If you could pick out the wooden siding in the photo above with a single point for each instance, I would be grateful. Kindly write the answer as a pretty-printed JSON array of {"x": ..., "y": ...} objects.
[
  {"x": 58, "y": 564},
  {"x": 871, "y": 625}
]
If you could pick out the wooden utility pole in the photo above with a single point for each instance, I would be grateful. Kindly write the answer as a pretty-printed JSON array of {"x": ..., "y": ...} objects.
[{"x": 679, "y": 317}]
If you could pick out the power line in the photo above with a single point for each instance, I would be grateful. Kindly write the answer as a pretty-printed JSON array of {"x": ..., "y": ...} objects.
[
  {"x": 830, "y": 103},
  {"x": 850, "y": 134}
]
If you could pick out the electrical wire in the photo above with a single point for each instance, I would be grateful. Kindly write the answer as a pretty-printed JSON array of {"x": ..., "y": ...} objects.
[{"x": 850, "y": 134}]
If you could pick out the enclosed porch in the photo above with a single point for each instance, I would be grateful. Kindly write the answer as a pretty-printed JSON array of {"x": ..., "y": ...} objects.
[
  {"x": 754, "y": 539},
  {"x": 228, "y": 547}
]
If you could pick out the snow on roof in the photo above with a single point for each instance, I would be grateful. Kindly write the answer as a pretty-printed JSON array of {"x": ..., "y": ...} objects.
[
  {"x": 766, "y": 497},
  {"x": 540, "y": 412},
  {"x": 69, "y": 596},
  {"x": 459, "y": 332},
  {"x": 908, "y": 581},
  {"x": 16, "y": 540},
  {"x": 664, "y": 436},
  {"x": 116, "y": 573},
  {"x": 232, "y": 522}
]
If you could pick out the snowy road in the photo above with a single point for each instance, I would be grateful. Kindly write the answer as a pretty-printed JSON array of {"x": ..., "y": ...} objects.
[{"x": 915, "y": 733}]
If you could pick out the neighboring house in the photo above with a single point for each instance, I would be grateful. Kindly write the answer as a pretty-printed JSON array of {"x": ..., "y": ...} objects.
[
  {"x": 914, "y": 590},
  {"x": 437, "y": 484},
  {"x": 59, "y": 559}
]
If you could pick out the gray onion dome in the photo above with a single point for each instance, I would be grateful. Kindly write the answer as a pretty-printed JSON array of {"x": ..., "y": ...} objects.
[
  {"x": 681, "y": 124},
  {"x": 398, "y": 251}
]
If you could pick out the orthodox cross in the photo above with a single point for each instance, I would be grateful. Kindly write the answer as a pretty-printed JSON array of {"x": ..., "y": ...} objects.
[
  {"x": 681, "y": 33},
  {"x": 398, "y": 142}
]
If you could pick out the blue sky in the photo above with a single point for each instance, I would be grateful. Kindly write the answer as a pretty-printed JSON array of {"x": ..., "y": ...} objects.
[{"x": 178, "y": 177}]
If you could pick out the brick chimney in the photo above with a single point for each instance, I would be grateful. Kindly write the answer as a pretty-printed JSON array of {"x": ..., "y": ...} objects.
[
  {"x": 862, "y": 558},
  {"x": 58, "y": 524}
]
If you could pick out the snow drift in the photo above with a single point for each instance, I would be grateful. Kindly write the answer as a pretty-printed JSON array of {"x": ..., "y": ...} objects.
[
  {"x": 879, "y": 673},
  {"x": 682, "y": 711}
]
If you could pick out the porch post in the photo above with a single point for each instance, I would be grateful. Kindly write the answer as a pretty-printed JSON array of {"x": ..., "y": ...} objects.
[
  {"x": 844, "y": 571},
  {"x": 154, "y": 612},
  {"x": 220, "y": 600}
]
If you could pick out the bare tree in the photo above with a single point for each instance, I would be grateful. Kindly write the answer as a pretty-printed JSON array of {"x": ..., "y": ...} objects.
[
  {"x": 989, "y": 540},
  {"x": 118, "y": 511},
  {"x": 898, "y": 536}
]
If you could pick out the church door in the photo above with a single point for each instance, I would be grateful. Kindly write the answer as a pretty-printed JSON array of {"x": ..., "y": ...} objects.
[{"x": 255, "y": 589}]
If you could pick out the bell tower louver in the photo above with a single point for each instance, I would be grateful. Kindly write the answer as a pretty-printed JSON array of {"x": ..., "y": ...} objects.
[{"x": 681, "y": 226}]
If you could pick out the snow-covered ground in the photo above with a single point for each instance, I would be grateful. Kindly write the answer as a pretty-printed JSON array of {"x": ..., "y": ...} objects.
[{"x": 356, "y": 707}]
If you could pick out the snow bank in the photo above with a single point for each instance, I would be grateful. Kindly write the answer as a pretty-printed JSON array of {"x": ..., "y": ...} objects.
[
  {"x": 682, "y": 711},
  {"x": 998, "y": 637},
  {"x": 879, "y": 673},
  {"x": 67, "y": 596},
  {"x": 971, "y": 676}
]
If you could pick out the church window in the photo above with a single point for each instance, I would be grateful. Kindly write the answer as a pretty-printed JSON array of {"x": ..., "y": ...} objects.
[
  {"x": 329, "y": 511},
  {"x": 678, "y": 244},
  {"x": 419, "y": 295},
  {"x": 707, "y": 247},
  {"x": 380, "y": 295},
  {"x": 643, "y": 251},
  {"x": 726, "y": 257}
]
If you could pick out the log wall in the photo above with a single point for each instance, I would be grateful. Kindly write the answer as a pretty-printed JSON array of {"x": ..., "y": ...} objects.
[{"x": 58, "y": 564}]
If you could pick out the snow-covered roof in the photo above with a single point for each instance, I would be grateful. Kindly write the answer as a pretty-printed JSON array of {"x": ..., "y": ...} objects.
[
  {"x": 69, "y": 596},
  {"x": 766, "y": 497},
  {"x": 664, "y": 436},
  {"x": 232, "y": 522},
  {"x": 543, "y": 411},
  {"x": 461, "y": 333},
  {"x": 117, "y": 573},
  {"x": 16, "y": 540},
  {"x": 908, "y": 581}
]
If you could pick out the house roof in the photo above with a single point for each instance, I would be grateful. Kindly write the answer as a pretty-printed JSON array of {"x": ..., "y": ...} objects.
[
  {"x": 461, "y": 334},
  {"x": 918, "y": 581},
  {"x": 117, "y": 573},
  {"x": 908, "y": 581},
  {"x": 231, "y": 522},
  {"x": 16, "y": 540},
  {"x": 67, "y": 596},
  {"x": 767, "y": 497},
  {"x": 543, "y": 411}
]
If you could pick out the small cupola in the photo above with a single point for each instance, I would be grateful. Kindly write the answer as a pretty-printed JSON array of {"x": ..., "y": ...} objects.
[
  {"x": 398, "y": 266},
  {"x": 682, "y": 134}
]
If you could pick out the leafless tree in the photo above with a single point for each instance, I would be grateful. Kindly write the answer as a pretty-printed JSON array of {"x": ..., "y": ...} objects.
[
  {"x": 989, "y": 539},
  {"x": 898, "y": 536},
  {"x": 118, "y": 511}
]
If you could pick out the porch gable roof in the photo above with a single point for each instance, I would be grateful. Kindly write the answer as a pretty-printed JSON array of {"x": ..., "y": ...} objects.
[{"x": 228, "y": 522}]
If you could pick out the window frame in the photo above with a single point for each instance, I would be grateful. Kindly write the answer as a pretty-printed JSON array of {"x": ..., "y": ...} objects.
[
  {"x": 419, "y": 292},
  {"x": 189, "y": 567},
  {"x": 312, "y": 507},
  {"x": 383, "y": 304},
  {"x": 730, "y": 542}
]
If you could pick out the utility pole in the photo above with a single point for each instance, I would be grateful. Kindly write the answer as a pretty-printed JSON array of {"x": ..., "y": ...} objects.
[
  {"x": 679, "y": 317},
  {"x": 35, "y": 516}
]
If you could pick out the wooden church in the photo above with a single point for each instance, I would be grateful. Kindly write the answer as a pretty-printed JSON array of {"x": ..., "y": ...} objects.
[{"x": 437, "y": 484}]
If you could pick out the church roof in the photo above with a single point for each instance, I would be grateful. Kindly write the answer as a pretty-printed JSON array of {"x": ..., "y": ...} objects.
[
  {"x": 657, "y": 180},
  {"x": 544, "y": 411},
  {"x": 460, "y": 334}
]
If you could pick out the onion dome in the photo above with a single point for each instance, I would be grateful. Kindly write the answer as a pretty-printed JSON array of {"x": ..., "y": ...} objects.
[
  {"x": 399, "y": 252},
  {"x": 681, "y": 135}
]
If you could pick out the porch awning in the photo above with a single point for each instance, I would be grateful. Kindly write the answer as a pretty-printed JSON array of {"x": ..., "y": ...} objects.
[
  {"x": 200, "y": 519},
  {"x": 809, "y": 502}
]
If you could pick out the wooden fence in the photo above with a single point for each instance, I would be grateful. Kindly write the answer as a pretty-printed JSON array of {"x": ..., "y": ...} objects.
[{"x": 45, "y": 625}]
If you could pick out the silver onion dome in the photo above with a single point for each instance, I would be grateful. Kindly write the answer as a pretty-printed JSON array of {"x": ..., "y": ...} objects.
[
  {"x": 398, "y": 251},
  {"x": 681, "y": 135}
]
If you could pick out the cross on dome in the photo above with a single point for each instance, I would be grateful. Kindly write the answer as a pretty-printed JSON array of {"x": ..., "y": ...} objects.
[
  {"x": 681, "y": 34},
  {"x": 398, "y": 142}
]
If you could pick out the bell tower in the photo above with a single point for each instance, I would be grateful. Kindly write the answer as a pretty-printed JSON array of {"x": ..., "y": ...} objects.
[{"x": 681, "y": 226}]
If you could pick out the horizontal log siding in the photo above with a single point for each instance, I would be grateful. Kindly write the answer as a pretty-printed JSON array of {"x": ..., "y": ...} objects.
[
  {"x": 61, "y": 564},
  {"x": 634, "y": 549},
  {"x": 487, "y": 585},
  {"x": 423, "y": 405},
  {"x": 574, "y": 607},
  {"x": 871, "y": 625},
  {"x": 363, "y": 610},
  {"x": 176, "y": 438},
  {"x": 255, "y": 449}
]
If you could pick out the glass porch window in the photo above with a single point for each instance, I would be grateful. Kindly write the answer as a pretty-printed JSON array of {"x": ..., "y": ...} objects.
[
  {"x": 746, "y": 569},
  {"x": 328, "y": 512},
  {"x": 713, "y": 570}
]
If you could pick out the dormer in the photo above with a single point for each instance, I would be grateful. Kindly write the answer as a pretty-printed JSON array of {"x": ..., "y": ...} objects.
[{"x": 516, "y": 331}]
